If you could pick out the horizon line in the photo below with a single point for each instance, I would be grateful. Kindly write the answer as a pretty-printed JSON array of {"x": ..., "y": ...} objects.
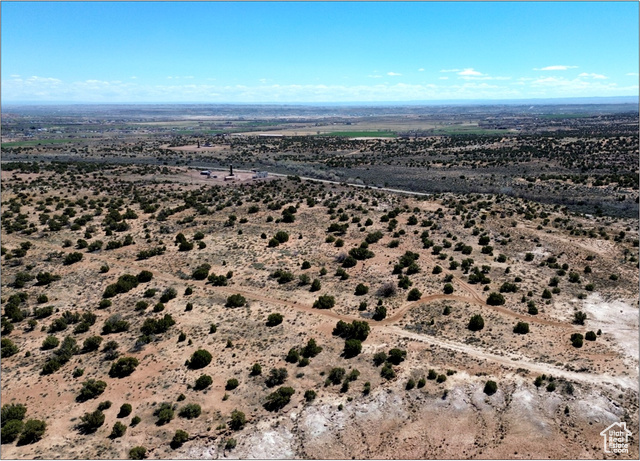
[{"x": 558, "y": 100}]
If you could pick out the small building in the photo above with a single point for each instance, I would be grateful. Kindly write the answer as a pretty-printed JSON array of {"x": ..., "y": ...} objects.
[
  {"x": 260, "y": 174},
  {"x": 205, "y": 173},
  {"x": 231, "y": 177}
]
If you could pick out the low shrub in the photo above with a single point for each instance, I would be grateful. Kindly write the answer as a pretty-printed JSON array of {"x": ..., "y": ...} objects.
[
  {"x": 274, "y": 319},
  {"x": 576, "y": 340},
  {"x": 414, "y": 295},
  {"x": 276, "y": 377},
  {"x": 495, "y": 299},
  {"x": 91, "y": 389},
  {"x": 32, "y": 431},
  {"x": 164, "y": 413},
  {"x": 396, "y": 356},
  {"x": 278, "y": 399},
  {"x": 490, "y": 387},
  {"x": 138, "y": 453},
  {"x": 90, "y": 422},
  {"x": 352, "y": 347},
  {"x": 521, "y": 328},
  {"x": 476, "y": 323},
  {"x": 50, "y": 342},
  {"x": 125, "y": 410},
  {"x": 179, "y": 438},
  {"x": 324, "y": 302},
  {"x": 203, "y": 382},
  {"x": 190, "y": 411},
  {"x": 118, "y": 430},
  {"x": 237, "y": 421},
  {"x": 200, "y": 359},
  {"x": 123, "y": 367},
  {"x": 236, "y": 300}
]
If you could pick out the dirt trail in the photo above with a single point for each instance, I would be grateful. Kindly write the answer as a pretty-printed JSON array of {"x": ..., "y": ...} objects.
[
  {"x": 387, "y": 325},
  {"x": 473, "y": 300},
  {"x": 400, "y": 313},
  {"x": 105, "y": 257},
  {"x": 252, "y": 295},
  {"x": 391, "y": 319},
  {"x": 599, "y": 246},
  {"x": 519, "y": 361}
]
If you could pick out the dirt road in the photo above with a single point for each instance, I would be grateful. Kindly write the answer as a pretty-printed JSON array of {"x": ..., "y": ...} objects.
[
  {"x": 519, "y": 361},
  {"x": 388, "y": 325}
]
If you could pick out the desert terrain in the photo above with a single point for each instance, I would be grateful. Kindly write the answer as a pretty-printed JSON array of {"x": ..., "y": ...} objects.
[{"x": 488, "y": 311}]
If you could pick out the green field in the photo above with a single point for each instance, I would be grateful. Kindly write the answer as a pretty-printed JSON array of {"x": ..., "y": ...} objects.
[{"x": 362, "y": 134}]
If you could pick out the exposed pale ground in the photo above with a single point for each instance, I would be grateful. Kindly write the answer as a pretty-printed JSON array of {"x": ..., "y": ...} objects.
[{"x": 451, "y": 419}]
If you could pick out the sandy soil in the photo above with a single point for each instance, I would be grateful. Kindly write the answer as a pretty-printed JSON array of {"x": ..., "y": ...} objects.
[{"x": 595, "y": 385}]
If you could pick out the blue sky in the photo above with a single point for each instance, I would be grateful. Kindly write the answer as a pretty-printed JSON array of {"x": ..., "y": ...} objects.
[{"x": 316, "y": 52}]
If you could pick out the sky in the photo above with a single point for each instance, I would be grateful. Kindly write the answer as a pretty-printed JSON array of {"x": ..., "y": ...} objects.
[{"x": 316, "y": 52}]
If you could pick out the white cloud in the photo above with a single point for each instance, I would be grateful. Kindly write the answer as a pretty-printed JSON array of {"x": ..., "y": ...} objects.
[
  {"x": 35, "y": 78},
  {"x": 561, "y": 87},
  {"x": 133, "y": 77},
  {"x": 470, "y": 72},
  {"x": 374, "y": 76},
  {"x": 556, "y": 68},
  {"x": 474, "y": 87},
  {"x": 393, "y": 74},
  {"x": 421, "y": 70},
  {"x": 596, "y": 76},
  {"x": 633, "y": 74},
  {"x": 450, "y": 70}
]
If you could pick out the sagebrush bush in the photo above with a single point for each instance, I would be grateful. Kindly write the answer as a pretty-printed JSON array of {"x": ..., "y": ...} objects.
[
  {"x": 190, "y": 411},
  {"x": 200, "y": 359},
  {"x": 490, "y": 387},
  {"x": 476, "y": 323},
  {"x": 203, "y": 382}
]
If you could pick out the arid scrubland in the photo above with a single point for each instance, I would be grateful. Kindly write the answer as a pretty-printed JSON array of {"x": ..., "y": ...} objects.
[
  {"x": 149, "y": 311},
  {"x": 584, "y": 157}
]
